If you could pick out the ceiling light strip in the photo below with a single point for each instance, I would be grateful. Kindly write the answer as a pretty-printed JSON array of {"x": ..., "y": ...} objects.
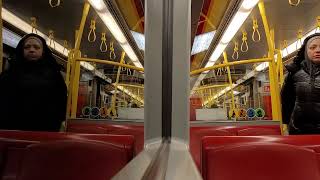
[{"x": 235, "y": 24}]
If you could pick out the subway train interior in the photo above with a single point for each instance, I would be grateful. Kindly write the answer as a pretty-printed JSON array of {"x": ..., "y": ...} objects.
[{"x": 162, "y": 89}]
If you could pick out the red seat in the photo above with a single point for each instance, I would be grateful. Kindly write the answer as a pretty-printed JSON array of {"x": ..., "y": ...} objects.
[
  {"x": 15, "y": 143},
  {"x": 258, "y": 130},
  {"x": 66, "y": 160},
  {"x": 195, "y": 140},
  {"x": 11, "y": 155},
  {"x": 254, "y": 161},
  {"x": 126, "y": 141},
  {"x": 198, "y": 132},
  {"x": 307, "y": 141},
  {"x": 137, "y": 132},
  {"x": 87, "y": 129}
]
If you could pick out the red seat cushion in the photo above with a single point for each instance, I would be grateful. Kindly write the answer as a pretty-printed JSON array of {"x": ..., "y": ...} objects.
[
  {"x": 258, "y": 131},
  {"x": 127, "y": 141},
  {"x": 67, "y": 160},
  {"x": 11, "y": 153},
  {"x": 138, "y": 134},
  {"x": 195, "y": 140},
  {"x": 266, "y": 161}
]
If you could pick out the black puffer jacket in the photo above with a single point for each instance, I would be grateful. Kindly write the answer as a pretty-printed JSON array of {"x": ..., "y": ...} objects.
[
  {"x": 32, "y": 94},
  {"x": 300, "y": 95}
]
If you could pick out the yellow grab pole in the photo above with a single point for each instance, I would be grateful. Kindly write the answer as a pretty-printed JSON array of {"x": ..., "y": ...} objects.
[
  {"x": 70, "y": 55},
  {"x": 248, "y": 61},
  {"x": 75, "y": 75},
  {"x": 79, "y": 33},
  {"x": 281, "y": 76},
  {"x": 110, "y": 62},
  {"x": 225, "y": 60},
  {"x": 274, "y": 88},
  {"x": 75, "y": 86},
  {"x": 112, "y": 109},
  {"x": 1, "y": 44}
]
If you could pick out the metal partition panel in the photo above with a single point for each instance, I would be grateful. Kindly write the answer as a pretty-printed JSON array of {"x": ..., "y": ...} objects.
[
  {"x": 153, "y": 70},
  {"x": 181, "y": 69}
]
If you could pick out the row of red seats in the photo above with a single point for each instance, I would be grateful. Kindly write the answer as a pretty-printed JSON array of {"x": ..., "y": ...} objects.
[
  {"x": 64, "y": 156},
  {"x": 98, "y": 128},
  {"x": 197, "y": 133},
  {"x": 261, "y": 157}
]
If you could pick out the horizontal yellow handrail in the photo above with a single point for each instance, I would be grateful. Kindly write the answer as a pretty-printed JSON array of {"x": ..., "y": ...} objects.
[
  {"x": 212, "y": 86},
  {"x": 248, "y": 61},
  {"x": 131, "y": 85},
  {"x": 110, "y": 62},
  {"x": 198, "y": 71}
]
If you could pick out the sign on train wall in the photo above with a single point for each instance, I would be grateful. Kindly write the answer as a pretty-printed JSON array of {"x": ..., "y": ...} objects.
[
  {"x": 211, "y": 114},
  {"x": 122, "y": 113},
  {"x": 233, "y": 114}
]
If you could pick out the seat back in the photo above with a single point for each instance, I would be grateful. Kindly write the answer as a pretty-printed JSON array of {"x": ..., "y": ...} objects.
[
  {"x": 66, "y": 160},
  {"x": 263, "y": 161},
  {"x": 258, "y": 131},
  {"x": 11, "y": 155},
  {"x": 14, "y": 144},
  {"x": 127, "y": 141},
  {"x": 195, "y": 140}
]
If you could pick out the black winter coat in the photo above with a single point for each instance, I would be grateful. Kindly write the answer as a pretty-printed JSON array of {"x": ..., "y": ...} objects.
[
  {"x": 33, "y": 95},
  {"x": 300, "y": 97}
]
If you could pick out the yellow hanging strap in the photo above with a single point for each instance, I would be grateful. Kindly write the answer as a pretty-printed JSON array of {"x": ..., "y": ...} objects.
[
  {"x": 318, "y": 24},
  {"x": 244, "y": 45},
  {"x": 51, "y": 39},
  {"x": 54, "y": 3},
  {"x": 103, "y": 45},
  {"x": 299, "y": 41},
  {"x": 219, "y": 71},
  {"x": 294, "y": 2},
  {"x": 92, "y": 34},
  {"x": 124, "y": 68},
  {"x": 255, "y": 31},
  {"x": 112, "y": 54},
  {"x": 128, "y": 71},
  {"x": 235, "y": 54},
  {"x": 34, "y": 25},
  {"x": 284, "y": 45},
  {"x": 65, "y": 46}
]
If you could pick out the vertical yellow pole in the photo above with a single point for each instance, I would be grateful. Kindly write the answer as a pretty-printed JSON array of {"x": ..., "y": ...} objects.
[
  {"x": 75, "y": 84},
  {"x": 1, "y": 44},
  {"x": 75, "y": 75},
  {"x": 119, "y": 71},
  {"x": 225, "y": 60},
  {"x": 68, "y": 69},
  {"x": 281, "y": 76},
  {"x": 112, "y": 109},
  {"x": 274, "y": 88}
]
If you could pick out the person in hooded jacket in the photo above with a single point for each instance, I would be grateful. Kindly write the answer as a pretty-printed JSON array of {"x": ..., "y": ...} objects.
[
  {"x": 33, "y": 93},
  {"x": 300, "y": 94}
]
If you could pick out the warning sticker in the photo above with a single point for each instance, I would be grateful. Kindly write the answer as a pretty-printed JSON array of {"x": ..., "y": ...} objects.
[
  {"x": 242, "y": 113},
  {"x": 233, "y": 113},
  {"x": 251, "y": 113},
  {"x": 260, "y": 113}
]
